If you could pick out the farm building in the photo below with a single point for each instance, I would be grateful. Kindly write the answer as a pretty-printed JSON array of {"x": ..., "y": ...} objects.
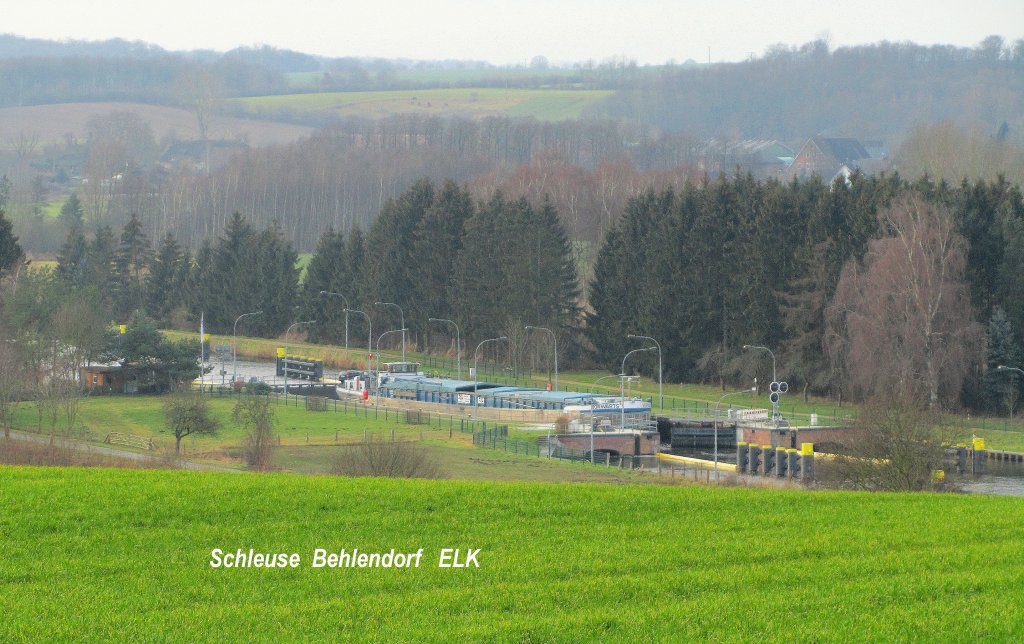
[{"x": 104, "y": 378}]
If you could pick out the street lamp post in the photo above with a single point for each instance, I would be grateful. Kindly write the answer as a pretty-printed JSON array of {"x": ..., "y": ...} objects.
[
  {"x": 661, "y": 395},
  {"x": 770, "y": 352},
  {"x": 554, "y": 342},
  {"x": 345, "y": 300},
  {"x": 378, "y": 343},
  {"x": 401, "y": 315},
  {"x": 287, "y": 331},
  {"x": 369, "y": 336},
  {"x": 1003, "y": 367},
  {"x": 717, "y": 405},
  {"x": 377, "y": 392},
  {"x": 476, "y": 374},
  {"x": 234, "y": 344},
  {"x": 622, "y": 382},
  {"x": 458, "y": 341}
]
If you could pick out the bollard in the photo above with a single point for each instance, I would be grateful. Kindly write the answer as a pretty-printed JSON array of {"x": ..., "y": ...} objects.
[
  {"x": 978, "y": 460},
  {"x": 742, "y": 457},
  {"x": 768, "y": 458},
  {"x": 755, "y": 458},
  {"x": 961, "y": 458},
  {"x": 781, "y": 462},
  {"x": 807, "y": 461},
  {"x": 793, "y": 470}
]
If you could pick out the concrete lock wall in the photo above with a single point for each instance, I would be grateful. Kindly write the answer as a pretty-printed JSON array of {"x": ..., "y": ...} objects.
[
  {"x": 781, "y": 462},
  {"x": 623, "y": 443},
  {"x": 790, "y": 437}
]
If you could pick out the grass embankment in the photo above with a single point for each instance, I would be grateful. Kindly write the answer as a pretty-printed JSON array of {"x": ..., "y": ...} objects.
[
  {"x": 112, "y": 554},
  {"x": 310, "y": 441},
  {"x": 542, "y": 104}
]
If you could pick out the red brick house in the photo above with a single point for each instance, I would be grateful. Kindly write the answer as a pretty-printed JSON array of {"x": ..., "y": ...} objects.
[{"x": 828, "y": 158}]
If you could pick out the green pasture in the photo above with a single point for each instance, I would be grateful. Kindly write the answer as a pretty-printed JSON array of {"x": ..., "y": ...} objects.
[
  {"x": 542, "y": 104},
  {"x": 310, "y": 440},
  {"x": 144, "y": 416},
  {"x": 97, "y": 554},
  {"x": 303, "y": 264}
]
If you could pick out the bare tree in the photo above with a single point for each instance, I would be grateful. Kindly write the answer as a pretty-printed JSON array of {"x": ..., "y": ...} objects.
[
  {"x": 902, "y": 323},
  {"x": 892, "y": 447},
  {"x": 256, "y": 415},
  {"x": 204, "y": 93},
  {"x": 11, "y": 380}
]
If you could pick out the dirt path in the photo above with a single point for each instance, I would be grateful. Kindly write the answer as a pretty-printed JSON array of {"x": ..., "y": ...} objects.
[{"x": 119, "y": 453}]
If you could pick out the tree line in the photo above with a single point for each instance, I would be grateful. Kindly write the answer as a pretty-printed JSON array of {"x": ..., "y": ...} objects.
[
  {"x": 876, "y": 284},
  {"x": 869, "y": 91},
  {"x": 495, "y": 264},
  {"x": 868, "y": 286}
]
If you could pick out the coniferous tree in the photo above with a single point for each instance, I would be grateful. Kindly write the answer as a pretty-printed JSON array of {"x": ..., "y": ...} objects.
[
  {"x": 1009, "y": 286},
  {"x": 478, "y": 274},
  {"x": 201, "y": 290},
  {"x": 436, "y": 247},
  {"x": 551, "y": 285},
  {"x": 71, "y": 212},
  {"x": 226, "y": 286},
  {"x": 327, "y": 271},
  {"x": 355, "y": 261},
  {"x": 100, "y": 265},
  {"x": 392, "y": 268},
  {"x": 163, "y": 285},
  {"x": 552, "y": 281},
  {"x": 620, "y": 271},
  {"x": 72, "y": 258},
  {"x": 10, "y": 251},
  {"x": 133, "y": 256},
  {"x": 1002, "y": 387},
  {"x": 276, "y": 284}
]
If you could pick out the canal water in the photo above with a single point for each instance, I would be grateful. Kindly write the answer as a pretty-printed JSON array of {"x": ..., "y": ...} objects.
[
  {"x": 261, "y": 370},
  {"x": 1001, "y": 478}
]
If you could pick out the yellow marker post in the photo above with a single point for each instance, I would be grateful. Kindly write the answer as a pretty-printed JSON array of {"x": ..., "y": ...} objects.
[
  {"x": 978, "y": 443},
  {"x": 280, "y": 352},
  {"x": 807, "y": 449}
]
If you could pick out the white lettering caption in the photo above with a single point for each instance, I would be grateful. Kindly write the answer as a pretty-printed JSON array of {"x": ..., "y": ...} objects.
[{"x": 344, "y": 558}]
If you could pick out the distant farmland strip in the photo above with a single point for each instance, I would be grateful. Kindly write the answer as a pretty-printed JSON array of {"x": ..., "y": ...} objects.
[{"x": 547, "y": 105}]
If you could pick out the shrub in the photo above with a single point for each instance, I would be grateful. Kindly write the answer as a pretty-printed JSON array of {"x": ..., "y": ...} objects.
[{"x": 387, "y": 459}]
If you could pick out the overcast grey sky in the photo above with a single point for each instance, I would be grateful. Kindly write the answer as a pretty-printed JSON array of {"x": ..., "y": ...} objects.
[{"x": 513, "y": 32}]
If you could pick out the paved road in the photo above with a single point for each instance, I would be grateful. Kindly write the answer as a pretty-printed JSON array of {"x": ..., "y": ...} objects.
[{"x": 120, "y": 453}]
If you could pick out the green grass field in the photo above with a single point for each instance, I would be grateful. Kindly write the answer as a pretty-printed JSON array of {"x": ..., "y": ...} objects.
[
  {"x": 309, "y": 441},
  {"x": 546, "y": 105},
  {"x": 119, "y": 554}
]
